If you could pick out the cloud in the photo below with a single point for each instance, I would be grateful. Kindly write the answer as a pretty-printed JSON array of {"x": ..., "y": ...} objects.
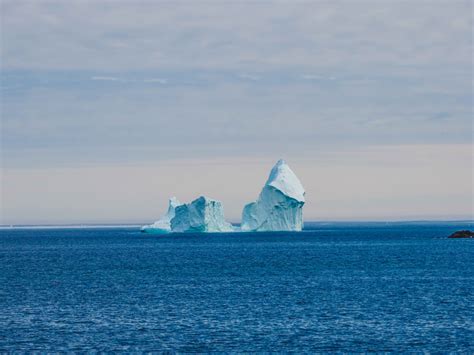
[
  {"x": 317, "y": 77},
  {"x": 234, "y": 36},
  {"x": 105, "y": 78},
  {"x": 312, "y": 77},
  {"x": 130, "y": 80},
  {"x": 135, "y": 121},
  {"x": 156, "y": 80},
  {"x": 249, "y": 77}
]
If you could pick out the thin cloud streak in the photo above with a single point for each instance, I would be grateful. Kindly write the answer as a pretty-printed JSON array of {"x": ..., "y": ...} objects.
[{"x": 105, "y": 78}]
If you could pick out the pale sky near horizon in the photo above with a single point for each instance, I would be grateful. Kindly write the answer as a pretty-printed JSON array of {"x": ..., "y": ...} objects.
[{"x": 110, "y": 107}]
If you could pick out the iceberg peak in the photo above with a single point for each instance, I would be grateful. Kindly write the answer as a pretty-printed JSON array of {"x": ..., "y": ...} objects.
[{"x": 284, "y": 179}]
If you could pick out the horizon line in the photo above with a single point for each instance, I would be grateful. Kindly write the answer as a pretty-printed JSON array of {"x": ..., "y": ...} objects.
[{"x": 133, "y": 225}]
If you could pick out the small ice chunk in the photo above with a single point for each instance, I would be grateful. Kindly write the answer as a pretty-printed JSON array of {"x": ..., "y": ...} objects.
[{"x": 163, "y": 225}]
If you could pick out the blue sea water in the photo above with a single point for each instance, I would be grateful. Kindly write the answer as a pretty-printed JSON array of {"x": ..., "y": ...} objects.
[{"x": 334, "y": 287}]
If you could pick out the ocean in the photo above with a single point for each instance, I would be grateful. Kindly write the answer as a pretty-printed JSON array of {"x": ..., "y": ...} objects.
[{"x": 335, "y": 287}]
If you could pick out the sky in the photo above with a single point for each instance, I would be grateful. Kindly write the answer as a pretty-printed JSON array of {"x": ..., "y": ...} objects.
[{"x": 108, "y": 108}]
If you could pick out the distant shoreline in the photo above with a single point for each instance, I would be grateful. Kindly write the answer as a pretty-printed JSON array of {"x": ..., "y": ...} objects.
[
  {"x": 138, "y": 225},
  {"x": 72, "y": 226}
]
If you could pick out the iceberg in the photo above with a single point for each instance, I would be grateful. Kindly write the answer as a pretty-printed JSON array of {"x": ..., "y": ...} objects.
[
  {"x": 163, "y": 225},
  {"x": 279, "y": 206},
  {"x": 201, "y": 215}
]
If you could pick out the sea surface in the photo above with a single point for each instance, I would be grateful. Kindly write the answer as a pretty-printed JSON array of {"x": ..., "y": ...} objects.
[{"x": 333, "y": 287}]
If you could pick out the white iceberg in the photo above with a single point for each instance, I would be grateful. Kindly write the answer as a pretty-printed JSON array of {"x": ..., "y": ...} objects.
[
  {"x": 201, "y": 215},
  {"x": 279, "y": 206},
  {"x": 163, "y": 225}
]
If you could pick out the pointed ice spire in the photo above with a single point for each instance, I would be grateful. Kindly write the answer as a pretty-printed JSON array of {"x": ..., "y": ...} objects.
[{"x": 284, "y": 179}]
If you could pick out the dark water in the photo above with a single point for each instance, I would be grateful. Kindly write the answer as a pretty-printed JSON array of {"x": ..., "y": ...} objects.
[{"x": 336, "y": 287}]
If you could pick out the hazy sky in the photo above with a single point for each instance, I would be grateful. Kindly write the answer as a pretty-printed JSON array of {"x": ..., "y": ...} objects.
[{"x": 110, "y": 107}]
